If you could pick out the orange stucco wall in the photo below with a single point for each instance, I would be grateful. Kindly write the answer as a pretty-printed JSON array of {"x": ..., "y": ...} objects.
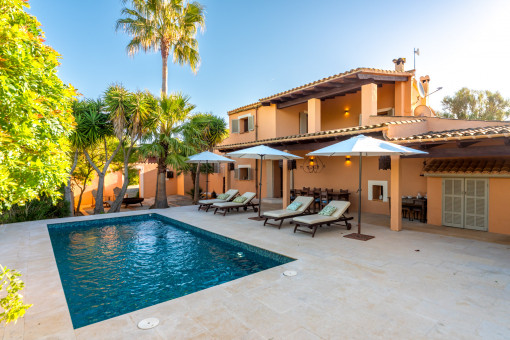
[
  {"x": 499, "y": 217},
  {"x": 287, "y": 120},
  {"x": 333, "y": 111},
  {"x": 115, "y": 179},
  {"x": 434, "y": 200}
]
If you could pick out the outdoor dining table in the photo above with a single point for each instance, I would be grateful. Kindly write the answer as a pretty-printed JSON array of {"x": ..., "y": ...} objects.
[
  {"x": 341, "y": 195},
  {"x": 415, "y": 204}
]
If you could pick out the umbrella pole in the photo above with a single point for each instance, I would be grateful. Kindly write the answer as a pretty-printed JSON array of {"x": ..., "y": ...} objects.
[
  {"x": 359, "y": 196},
  {"x": 206, "y": 179},
  {"x": 260, "y": 184},
  {"x": 359, "y": 236}
]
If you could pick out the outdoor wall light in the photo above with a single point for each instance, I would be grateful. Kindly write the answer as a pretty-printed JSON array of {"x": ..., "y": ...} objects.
[
  {"x": 313, "y": 164},
  {"x": 347, "y": 158},
  {"x": 347, "y": 112}
]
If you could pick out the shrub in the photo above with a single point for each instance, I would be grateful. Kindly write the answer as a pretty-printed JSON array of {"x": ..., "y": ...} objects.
[
  {"x": 11, "y": 304},
  {"x": 38, "y": 209}
]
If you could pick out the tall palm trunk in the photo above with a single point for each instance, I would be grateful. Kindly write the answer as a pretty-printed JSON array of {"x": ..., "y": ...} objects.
[
  {"x": 161, "y": 200},
  {"x": 164, "y": 57}
]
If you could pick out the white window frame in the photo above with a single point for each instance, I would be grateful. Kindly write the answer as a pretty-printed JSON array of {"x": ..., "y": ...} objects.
[{"x": 383, "y": 184}]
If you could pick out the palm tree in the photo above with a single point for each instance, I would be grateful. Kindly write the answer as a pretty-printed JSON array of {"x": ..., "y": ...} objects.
[
  {"x": 132, "y": 114},
  {"x": 168, "y": 26},
  {"x": 165, "y": 142},
  {"x": 210, "y": 130}
]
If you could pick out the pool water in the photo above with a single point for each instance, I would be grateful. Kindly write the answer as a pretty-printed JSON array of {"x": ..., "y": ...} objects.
[{"x": 114, "y": 266}]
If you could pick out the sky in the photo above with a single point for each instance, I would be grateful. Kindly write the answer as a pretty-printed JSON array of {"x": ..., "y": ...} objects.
[{"x": 253, "y": 49}]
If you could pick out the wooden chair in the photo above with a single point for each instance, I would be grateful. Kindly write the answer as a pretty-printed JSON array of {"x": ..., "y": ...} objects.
[
  {"x": 324, "y": 198},
  {"x": 418, "y": 210}
]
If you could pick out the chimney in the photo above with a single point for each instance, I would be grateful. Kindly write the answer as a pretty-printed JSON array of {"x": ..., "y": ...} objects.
[
  {"x": 399, "y": 64},
  {"x": 425, "y": 82}
]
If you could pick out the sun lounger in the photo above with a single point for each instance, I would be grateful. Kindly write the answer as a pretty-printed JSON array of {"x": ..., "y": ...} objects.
[
  {"x": 281, "y": 215},
  {"x": 227, "y": 206},
  {"x": 206, "y": 204},
  {"x": 312, "y": 222}
]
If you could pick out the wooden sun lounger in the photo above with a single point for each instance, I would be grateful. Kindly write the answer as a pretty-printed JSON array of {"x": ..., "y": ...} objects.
[
  {"x": 282, "y": 215},
  {"x": 228, "y": 206},
  {"x": 206, "y": 204},
  {"x": 312, "y": 222}
]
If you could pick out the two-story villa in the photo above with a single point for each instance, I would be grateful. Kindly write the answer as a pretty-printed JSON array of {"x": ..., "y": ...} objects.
[{"x": 465, "y": 175}]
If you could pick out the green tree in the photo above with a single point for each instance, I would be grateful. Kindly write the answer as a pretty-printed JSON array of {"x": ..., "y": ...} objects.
[
  {"x": 210, "y": 130},
  {"x": 83, "y": 173},
  {"x": 132, "y": 114},
  {"x": 35, "y": 111},
  {"x": 165, "y": 142},
  {"x": 12, "y": 301},
  {"x": 95, "y": 129},
  {"x": 475, "y": 105},
  {"x": 166, "y": 26}
]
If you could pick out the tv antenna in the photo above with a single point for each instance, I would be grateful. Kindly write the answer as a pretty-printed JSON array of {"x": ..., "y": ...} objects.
[{"x": 416, "y": 53}]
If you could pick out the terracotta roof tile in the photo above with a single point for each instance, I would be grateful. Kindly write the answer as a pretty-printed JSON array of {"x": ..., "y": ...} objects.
[
  {"x": 244, "y": 108},
  {"x": 319, "y": 135},
  {"x": 486, "y": 131},
  {"x": 468, "y": 166},
  {"x": 323, "y": 80},
  {"x": 341, "y": 75}
]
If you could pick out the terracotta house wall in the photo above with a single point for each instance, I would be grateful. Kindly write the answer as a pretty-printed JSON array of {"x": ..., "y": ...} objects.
[
  {"x": 499, "y": 216},
  {"x": 386, "y": 96},
  {"x": 242, "y": 185},
  {"x": 434, "y": 200},
  {"x": 287, "y": 120},
  {"x": 333, "y": 111}
]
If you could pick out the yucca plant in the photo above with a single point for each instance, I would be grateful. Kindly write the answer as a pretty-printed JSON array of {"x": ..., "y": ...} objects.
[{"x": 132, "y": 115}]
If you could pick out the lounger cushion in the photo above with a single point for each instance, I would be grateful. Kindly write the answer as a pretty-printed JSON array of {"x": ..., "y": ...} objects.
[
  {"x": 239, "y": 199},
  {"x": 313, "y": 219},
  {"x": 248, "y": 195},
  {"x": 223, "y": 196},
  {"x": 341, "y": 207},
  {"x": 280, "y": 213},
  {"x": 327, "y": 210},
  {"x": 211, "y": 201},
  {"x": 294, "y": 206}
]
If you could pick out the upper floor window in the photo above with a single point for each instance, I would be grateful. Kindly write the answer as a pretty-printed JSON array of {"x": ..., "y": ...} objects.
[
  {"x": 303, "y": 122},
  {"x": 243, "y": 124}
]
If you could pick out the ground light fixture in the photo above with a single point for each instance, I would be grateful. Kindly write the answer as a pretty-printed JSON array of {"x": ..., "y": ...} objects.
[
  {"x": 148, "y": 323},
  {"x": 290, "y": 273}
]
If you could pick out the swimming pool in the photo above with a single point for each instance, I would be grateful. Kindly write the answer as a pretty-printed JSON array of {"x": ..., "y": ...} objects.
[{"x": 114, "y": 266}]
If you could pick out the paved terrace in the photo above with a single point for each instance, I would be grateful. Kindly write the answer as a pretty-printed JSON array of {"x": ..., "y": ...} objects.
[{"x": 399, "y": 285}]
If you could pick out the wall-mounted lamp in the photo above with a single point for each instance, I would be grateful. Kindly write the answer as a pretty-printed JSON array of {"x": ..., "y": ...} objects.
[
  {"x": 347, "y": 112},
  {"x": 347, "y": 158},
  {"x": 313, "y": 164}
]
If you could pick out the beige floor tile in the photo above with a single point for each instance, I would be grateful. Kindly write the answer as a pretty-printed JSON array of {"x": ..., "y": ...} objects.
[{"x": 381, "y": 289}]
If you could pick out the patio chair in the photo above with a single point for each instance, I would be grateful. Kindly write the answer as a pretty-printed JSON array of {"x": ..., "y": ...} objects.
[
  {"x": 281, "y": 215},
  {"x": 312, "y": 222},
  {"x": 107, "y": 203},
  {"x": 206, "y": 204},
  {"x": 227, "y": 206}
]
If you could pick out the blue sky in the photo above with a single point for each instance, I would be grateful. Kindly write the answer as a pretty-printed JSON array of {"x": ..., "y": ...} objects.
[{"x": 252, "y": 49}]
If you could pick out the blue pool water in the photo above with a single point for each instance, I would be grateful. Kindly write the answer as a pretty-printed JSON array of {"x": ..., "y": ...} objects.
[{"x": 114, "y": 266}]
